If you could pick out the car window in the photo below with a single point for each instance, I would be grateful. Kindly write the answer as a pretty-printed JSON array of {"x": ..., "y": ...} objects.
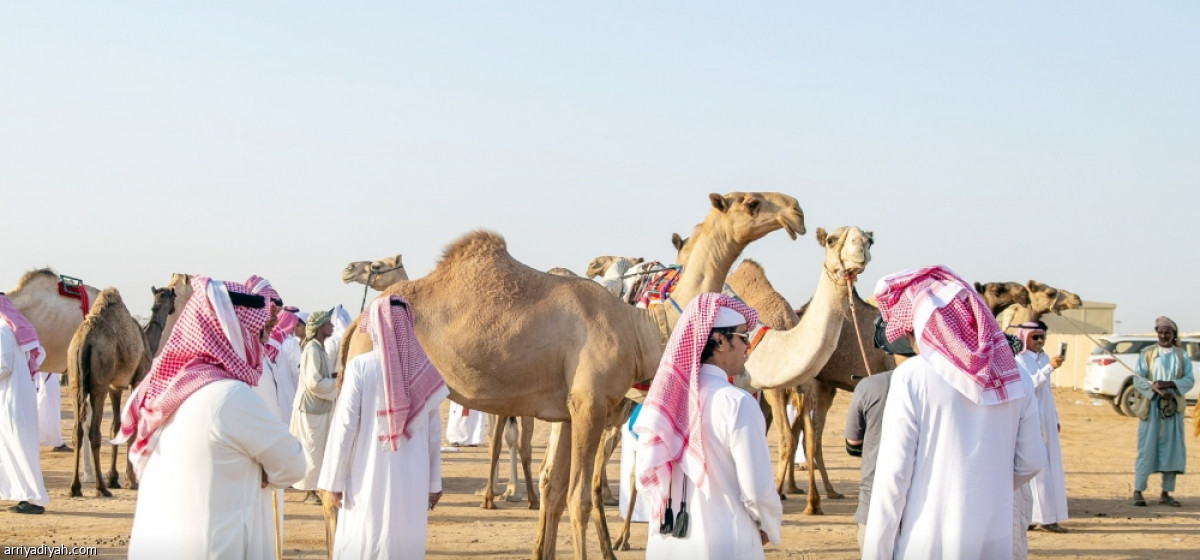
[
  {"x": 1130, "y": 346},
  {"x": 1193, "y": 350},
  {"x": 1101, "y": 347}
]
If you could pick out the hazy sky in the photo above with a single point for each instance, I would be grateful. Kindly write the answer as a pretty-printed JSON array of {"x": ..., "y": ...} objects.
[{"x": 1053, "y": 141}]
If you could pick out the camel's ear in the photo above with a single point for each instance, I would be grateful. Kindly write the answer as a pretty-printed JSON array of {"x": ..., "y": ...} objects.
[
  {"x": 153, "y": 290},
  {"x": 636, "y": 260},
  {"x": 870, "y": 237},
  {"x": 719, "y": 202},
  {"x": 677, "y": 241},
  {"x": 822, "y": 236},
  {"x": 1035, "y": 286},
  {"x": 980, "y": 288}
]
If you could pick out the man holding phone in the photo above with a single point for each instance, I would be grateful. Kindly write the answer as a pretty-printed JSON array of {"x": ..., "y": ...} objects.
[{"x": 1049, "y": 486}]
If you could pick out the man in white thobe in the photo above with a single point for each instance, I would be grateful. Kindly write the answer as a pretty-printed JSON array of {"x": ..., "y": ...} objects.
[
  {"x": 960, "y": 429},
  {"x": 333, "y": 345},
  {"x": 383, "y": 459},
  {"x": 208, "y": 455},
  {"x": 1049, "y": 487},
  {"x": 49, "y": 403},
  {"x": 20, "y": 469},
  {"x": 314, "y": 401},
  {"x": 466, "y": 427},
  {"x": 702, "y": 459}
]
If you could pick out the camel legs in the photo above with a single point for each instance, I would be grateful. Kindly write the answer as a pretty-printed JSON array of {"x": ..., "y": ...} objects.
[
  {"x": 526, "y": 452},
  {"x": 777, "y": 399},
  {"x": 114, "y": 398},
  {"x": 823, "y": 403},
  {"x": 87, "y": 411},
  {"x": 489, "y": 492},
  {"x": 553, "y": 486},
  {"x": 588, "y": 419},
  {"x": 622, "y": 542}
]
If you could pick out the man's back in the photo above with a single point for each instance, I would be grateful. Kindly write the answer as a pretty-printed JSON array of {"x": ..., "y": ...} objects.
[
  {"x": 946, "y": 468},
  {"x": 865, "y": 423}
]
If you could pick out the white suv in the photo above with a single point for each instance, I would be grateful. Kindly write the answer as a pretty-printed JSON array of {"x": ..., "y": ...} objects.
[{"x": 1106, "y": 379}]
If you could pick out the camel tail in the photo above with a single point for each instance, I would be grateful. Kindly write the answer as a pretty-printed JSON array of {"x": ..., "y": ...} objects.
[{"x": 79, "y": 359}]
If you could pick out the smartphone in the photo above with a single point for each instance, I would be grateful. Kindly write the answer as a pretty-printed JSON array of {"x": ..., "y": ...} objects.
[{"x": 1062, "y": 349}]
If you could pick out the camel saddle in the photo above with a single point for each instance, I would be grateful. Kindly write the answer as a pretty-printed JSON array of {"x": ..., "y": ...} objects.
[{"x": 72, "y": 287}]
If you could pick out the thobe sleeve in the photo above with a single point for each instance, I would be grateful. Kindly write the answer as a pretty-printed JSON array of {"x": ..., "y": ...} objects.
[
  {"x": 343, "y": 431},
  {"x": 1030, "y": 457},
  {"x": 435, "y": 448},
  {"x": 1185, "y": 383},
  {"x": 893, "y": 470},
  {"x": 748, "y": 446},
  {"x": 1141, "y": 381},
  {"x": 856, "y": 420},
  {"x": 320, "y": 386},
  {"x": 1041, "y": 374},
  {"x": 245, "y": 424}
]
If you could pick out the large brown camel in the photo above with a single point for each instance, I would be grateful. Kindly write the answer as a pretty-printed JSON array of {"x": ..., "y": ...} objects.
[
  {"x": 106, "y": 356},
  {"x": 377, "y": 275},
  {"x": 518, "y": 432},
  {"x": 514, "y": 341},
  {"x": 54, "y": 316}
]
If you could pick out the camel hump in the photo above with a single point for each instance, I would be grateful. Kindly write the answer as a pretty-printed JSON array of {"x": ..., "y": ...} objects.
[
  {"x": 35, "y": 274},
  {"x": 479, "y": 243},
  {"x": 108, "y": 302}
]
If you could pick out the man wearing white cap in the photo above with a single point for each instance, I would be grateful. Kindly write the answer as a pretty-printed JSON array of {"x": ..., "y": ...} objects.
[
  {"x": 702, "y": 460},
  {"x": 1164, "y": 375},
  {"x": 960, "y": 430}
]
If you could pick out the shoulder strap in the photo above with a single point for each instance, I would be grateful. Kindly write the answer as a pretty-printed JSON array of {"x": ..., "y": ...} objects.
[
  {"x": 1150, "y": 355},
  {"x": 1181, "y": 357}
]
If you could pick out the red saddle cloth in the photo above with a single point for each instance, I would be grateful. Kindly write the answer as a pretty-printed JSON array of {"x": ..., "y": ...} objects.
[{"x": 74, "y": 288}]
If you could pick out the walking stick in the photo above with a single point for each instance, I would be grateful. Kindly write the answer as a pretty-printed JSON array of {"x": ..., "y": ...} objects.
[{"x": 278, "y": 537}]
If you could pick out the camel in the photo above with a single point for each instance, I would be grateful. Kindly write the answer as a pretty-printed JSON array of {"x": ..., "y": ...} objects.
[
  {"x": 815, "y": 390},
  {"x": 377, "y": 275},
  {"x": 54, "y": 316},
  {"x": 181, "y": 286},
  {"x": 107, "y": 355},
  {"x": 520, "y": 443},
  {"x": 1033, "y": 300},
  {"x": 602, "y": 265},
  {"x": 514, "y": 341},
  {"x": 791, "y": 358},
  {"x": 999, "y": 295}
]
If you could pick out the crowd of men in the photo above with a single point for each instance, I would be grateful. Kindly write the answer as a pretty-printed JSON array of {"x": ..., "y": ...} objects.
[{"x": 959, "y": 443}]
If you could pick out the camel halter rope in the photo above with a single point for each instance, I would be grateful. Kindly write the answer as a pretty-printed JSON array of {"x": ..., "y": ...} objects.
[
  {"x": 854, "y": 318},
  {"x": 370, "y": 275}
]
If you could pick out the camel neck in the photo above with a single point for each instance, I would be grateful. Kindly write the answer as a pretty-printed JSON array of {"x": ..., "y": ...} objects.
[
  {"x": 707, "y": 266},
  {"x": 792, "y": 357}
]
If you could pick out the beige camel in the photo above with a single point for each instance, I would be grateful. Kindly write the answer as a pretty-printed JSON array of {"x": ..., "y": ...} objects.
[
  {"x": 377, "y": 275},
  {"x": 54, "y": 316},
  {"x": 181, "y": 286},
  {"x": 517, "y": 342},
  {"x": 106, "y": 356},
  {"x": 791, "y": 358},
  {"x": 1040, "y": 299},
  {"x": 601, "y": 265}
]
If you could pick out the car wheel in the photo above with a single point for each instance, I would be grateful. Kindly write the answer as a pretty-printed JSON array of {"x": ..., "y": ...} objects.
[
  {"x": 1127, "y": 398},
  {"x": 1116, "y": 404}
]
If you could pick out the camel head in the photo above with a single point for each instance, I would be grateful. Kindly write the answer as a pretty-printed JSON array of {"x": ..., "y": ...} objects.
[
  {"x": 600, "y": 265},
  {"x": 1048, "y": 299},
  {"x": 164, "y": 301},
  {"x": 746, "y": 217},
  {"x": 847, "y": 250},
  {"x": 999, "y": 295},
  {"x": 378, "y": 275}
]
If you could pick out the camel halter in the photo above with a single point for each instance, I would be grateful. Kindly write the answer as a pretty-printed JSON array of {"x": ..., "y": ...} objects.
[
  {"x": 371, "y": 274},
  {"x": 854, "y": 318}
]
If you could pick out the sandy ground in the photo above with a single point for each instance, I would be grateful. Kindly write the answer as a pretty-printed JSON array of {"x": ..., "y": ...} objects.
[{"x": 1097, "y": 443}]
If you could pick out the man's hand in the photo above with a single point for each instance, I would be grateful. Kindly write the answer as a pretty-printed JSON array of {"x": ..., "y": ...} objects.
[
  {"x": 1056, "y": 362},
  {"x": 763, "y": 535},
  {"x": 433, "y": 499},
  {"x": 265, "y": 482},
  {"x": 337, "y": 499}
]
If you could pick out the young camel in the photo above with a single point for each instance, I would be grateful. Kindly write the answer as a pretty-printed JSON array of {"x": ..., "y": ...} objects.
[
  {"x": 560, "y": 349},
  {"x": 107, "y": 355}
]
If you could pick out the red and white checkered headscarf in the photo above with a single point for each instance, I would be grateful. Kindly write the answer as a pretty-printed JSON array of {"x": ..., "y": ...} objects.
[
  {"x": 27, "y": 337},
  {"x": 955, "y": 331},
  {"x": 213, "y": 340},
  {"x": 669, "y": 426},
  {"x": 409, "y": 378},
  {"x": 283, "y": 329},
  {"x": 1025, "y": 330}
]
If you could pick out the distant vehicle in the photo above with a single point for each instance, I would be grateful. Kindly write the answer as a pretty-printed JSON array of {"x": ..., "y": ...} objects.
[{"x": 1107, "y": 379}]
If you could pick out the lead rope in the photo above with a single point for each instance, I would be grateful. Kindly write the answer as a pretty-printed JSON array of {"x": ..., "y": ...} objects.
[
  {"x": 366, "y": 286},
  {"x": 854, "y": 317}
]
